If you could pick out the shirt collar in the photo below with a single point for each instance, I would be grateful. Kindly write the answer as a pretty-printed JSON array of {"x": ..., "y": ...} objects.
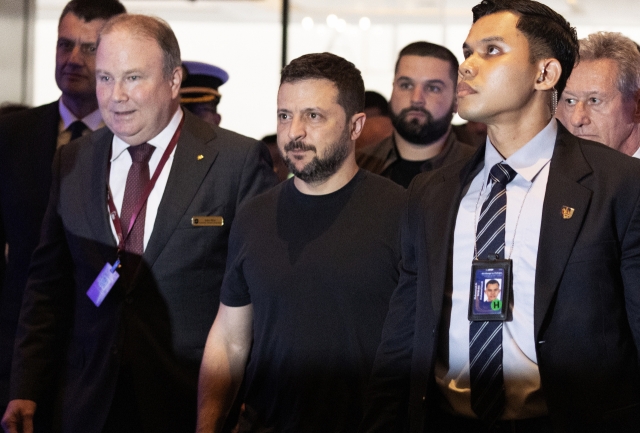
[
  {"x": 160, "y": 141},
  {"x": 530, "y": 158},
  {"x": 93, "y": 120}
]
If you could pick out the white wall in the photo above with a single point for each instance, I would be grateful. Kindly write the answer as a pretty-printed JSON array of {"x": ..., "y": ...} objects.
[{"x": 244, "y": 38}]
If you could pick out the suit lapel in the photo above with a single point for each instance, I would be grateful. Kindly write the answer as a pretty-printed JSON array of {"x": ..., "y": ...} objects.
[
  {"x": 95, "y": 191},
  {"x": 187, "y": 174},
  {"x": 558, "y": 234},
  {"x": 440, "y": 224}
]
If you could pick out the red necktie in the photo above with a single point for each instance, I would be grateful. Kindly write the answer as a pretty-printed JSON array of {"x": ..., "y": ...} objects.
[{"x": 137, "y": 180}]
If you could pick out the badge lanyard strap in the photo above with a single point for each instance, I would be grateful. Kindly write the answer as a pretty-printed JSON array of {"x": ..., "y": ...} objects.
[
  {"x": 145, "y": 195},
  {"x": 475, "y": 216}
]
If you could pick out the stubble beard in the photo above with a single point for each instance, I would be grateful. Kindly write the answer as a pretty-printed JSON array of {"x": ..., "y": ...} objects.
[{"x": 319, "y": 169}]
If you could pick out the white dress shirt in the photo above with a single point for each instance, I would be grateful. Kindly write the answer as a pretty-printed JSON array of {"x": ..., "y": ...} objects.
[
  {"x": 120, "y": 164},
  {"x": 93, "y": 121},
  {"x": 525, "y": 196},
  {"x": 636, "y": 154}
]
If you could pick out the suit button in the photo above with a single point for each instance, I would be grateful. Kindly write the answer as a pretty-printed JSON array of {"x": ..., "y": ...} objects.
[{"x": 128, "y": 300}]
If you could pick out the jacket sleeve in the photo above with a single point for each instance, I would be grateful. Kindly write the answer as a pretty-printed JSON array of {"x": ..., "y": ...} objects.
[
  {"x": 630, "y": 270},
  {"x": 47, "y": 306}
]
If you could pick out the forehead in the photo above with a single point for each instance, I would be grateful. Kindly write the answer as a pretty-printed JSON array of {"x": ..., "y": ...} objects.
[
  {"x": 594, "y": 76},
  {"x": 309, "y": 92},
  {"x": 425, "y": 67},
  {"x": 493, "y": 286},
  {"x": 71, "y": 26},
  {"x": 497, "y": 27},
  {"x": 123, "y": 41}
]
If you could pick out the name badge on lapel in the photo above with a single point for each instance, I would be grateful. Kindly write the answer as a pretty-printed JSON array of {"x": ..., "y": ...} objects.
[{"x": 207, "y": 221}]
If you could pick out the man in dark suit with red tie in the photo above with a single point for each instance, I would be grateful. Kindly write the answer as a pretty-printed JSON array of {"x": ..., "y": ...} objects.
[
  {"x": 556, "y": 219},
  {"x": 28, "y": 140},
  {"x": 133, "y": 247}
]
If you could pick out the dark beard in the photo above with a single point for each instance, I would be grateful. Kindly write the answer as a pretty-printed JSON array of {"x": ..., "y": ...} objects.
[
  {"x": 319, "y": 169},
  {"x": 412, "y": 131}
]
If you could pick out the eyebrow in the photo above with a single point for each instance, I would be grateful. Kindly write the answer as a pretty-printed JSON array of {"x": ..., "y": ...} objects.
[
  {"x": 485, "y": 41},
  {"x": 434, "y": 81}
]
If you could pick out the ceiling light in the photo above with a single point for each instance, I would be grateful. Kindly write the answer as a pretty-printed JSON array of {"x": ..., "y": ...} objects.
[{"x": 365, "y": 23}]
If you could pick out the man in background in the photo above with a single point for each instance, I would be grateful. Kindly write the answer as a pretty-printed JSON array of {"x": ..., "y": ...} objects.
[
  {"x": 378, "y": 125},
  {"x": 199, "y": 90},
  {"x": 602, "y": 99},
  {"x": 422, "y": 104},
  {"x": 28, "y": 140}
]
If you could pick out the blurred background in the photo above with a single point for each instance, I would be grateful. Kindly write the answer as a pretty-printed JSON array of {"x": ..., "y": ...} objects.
[{"x": 245, "y": 37}]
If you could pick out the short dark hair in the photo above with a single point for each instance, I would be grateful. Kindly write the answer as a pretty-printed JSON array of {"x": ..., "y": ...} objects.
[
  {"x": 427, "y": 49},
  {"x": 346, "y": 77},
  {"x": 492, "y": 282},
  {"x": 90, "y": 10},
  {"x": 375, "y": 99},
  {"x": 149, "y": 27},
  {"x": 548, "y": 33}
]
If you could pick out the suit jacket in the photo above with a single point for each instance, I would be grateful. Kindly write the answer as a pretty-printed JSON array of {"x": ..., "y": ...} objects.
[
  {"x": 587, "y": 293},
  {"x": 157, "y": 322},
  {"x": 379, "y": 157},
  {"x": 27, "y": 145}
]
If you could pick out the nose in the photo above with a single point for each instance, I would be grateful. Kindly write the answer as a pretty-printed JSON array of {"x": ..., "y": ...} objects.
[
  {"x": 467, "y": 68},
  {"x": 579, "y": 115},
  {"x": 119, "y": 93},
  {"x": 296, "y": 129},
  {"x": 417, "y": 96},
  {"x": 76, "y": 56}
]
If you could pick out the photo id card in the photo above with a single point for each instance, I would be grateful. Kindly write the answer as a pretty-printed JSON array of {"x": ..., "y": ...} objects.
[
  {"x": 490, "y": 295},
  {"x": 103, "y": 283}
]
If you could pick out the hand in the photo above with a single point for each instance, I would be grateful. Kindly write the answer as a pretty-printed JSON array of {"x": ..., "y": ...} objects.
[{"x": 18, "y": 418}]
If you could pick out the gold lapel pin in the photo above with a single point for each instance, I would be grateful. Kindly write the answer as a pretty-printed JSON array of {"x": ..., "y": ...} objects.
[
  {"x": 200, "y": 157},
  {"x": 567, "y": 212}
]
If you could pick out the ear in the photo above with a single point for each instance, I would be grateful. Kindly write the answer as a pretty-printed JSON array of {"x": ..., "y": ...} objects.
[
  {"x": 175, "y": 81},
  {"x": 357, "y": 124},
  {"x": 636, "y": 112},
  {"x": 549, "y": 71}
]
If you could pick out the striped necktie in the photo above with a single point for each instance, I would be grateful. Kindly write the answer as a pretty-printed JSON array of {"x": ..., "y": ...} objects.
[{"x": 485, "y": 338}]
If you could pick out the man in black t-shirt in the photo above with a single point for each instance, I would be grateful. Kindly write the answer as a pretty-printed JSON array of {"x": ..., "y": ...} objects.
[
  {"x": 422, "y": 105},
  {"x": 312, "y": 265}
]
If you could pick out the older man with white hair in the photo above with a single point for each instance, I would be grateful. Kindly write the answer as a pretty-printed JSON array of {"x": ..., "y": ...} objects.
[{"x": 602, "y": 99}]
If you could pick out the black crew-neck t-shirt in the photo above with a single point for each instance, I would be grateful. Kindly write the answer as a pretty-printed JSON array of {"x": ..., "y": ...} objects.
[{"x": 319, "y": 272}]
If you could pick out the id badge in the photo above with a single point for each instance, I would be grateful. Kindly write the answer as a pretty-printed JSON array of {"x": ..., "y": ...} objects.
[
  {"x": 104, "y": 283},
  {"x": 490, "y": 296}
]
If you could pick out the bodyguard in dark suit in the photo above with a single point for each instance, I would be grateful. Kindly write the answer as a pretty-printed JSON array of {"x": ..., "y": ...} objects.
[
  {"x": 28, "y": 141},
  {"x": 135, "y": 346},
  {"x": 560, "y": 215}
]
